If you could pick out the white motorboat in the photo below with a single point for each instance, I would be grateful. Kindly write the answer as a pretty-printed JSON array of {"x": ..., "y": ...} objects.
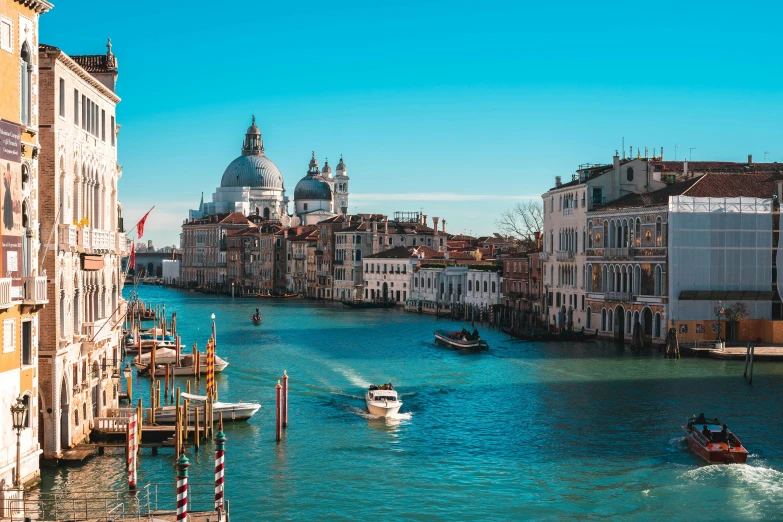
[
  {"x": 382, "y": 400},
  {"x": 232, "y": 411},
  {"x": 165, "y": 356}
]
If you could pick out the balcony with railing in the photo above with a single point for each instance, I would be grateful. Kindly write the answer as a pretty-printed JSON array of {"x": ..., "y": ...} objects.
[
  {"x": 5, "y": 293},
  {"x": 34, "y": 290},
  {"x": 565, "y": 255},
  {"x": 619, "y": 253},
  {"x": 122, "y": 243},
  {"x": 299, "y": 255},
  {"x": 102, "y": 240},
  {"x": 67, "y": 237},
  {"x": 543, "y": 256},
  {"x": 84, "y": 239},
  {"x": 617, "y": 296}
]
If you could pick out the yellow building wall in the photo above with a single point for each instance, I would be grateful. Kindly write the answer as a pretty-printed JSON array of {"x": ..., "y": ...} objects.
[
  {"x": 9, "y": 63},
  {"x": 757, "y": 331}
]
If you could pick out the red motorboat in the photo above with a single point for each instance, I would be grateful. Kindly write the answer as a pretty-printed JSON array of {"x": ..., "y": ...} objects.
[{"x": 714, "y": 442}]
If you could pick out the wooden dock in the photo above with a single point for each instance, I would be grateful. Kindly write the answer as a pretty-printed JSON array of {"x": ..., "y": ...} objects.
[{"x": 762, "y": 353}]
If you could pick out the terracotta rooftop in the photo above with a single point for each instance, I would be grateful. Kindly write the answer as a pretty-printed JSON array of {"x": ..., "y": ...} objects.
[
  {"x": 235, "y": 218},
  {"x": 96, "y": 63},
  {"x": 717, "y": 166},
  {"x": 711, "y": 185},
  {"x": 400, "y": 252}
]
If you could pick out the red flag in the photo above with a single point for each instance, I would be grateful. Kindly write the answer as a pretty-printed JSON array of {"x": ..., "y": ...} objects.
[
  {"x": 132, "y": 260},
  {"x": 140, "y": 225}
]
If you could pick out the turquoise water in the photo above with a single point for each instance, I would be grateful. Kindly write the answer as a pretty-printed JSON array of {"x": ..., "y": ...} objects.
[{"x": 525, "y": 431}]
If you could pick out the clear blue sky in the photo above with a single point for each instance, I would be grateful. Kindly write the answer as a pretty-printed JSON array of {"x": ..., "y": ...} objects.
[{"x": 459, "y": 108}]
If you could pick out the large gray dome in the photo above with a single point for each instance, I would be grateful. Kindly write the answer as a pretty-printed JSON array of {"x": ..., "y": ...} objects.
[
  {"x": 255, "y": 171},
  {"x": 312, "y": 188}
]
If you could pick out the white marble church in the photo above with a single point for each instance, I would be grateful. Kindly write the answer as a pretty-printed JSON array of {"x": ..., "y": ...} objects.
[{"x": 252, "y": 184}]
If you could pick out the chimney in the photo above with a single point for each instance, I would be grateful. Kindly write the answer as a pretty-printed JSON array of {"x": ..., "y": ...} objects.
[
  {"x": 435, "y": 224},
  {"x": 558, "y": 181},
  {"x": 685, "y": 169},
  {"x": 661, "y": 153},
  {"x": 780, "y": 190},
  {"x": 385, "y": 224},
  {"x": 537, "y": 237},
  {"x": 374, "y": 227},
  {"x": 443, "y": 225},
  {"x": 750, "y": 159},
  {"x": 616, "y": 176},
  {"x": 424, "y": 220}
]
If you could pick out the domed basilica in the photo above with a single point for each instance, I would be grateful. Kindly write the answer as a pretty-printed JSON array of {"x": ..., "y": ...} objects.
[{"x": 252, "y": 184}]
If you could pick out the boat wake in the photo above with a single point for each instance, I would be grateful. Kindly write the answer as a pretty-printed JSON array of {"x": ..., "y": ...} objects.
[
  {"x": 765, "y": 480},
  {"x": 350, "y": 374}
]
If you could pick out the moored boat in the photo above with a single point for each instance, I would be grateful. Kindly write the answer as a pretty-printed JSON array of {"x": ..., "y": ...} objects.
[
  {"x": 463, "y": 340},
  {"x": 714, "y": 442},
  {"x": 388, "y": 303},
  {"x": 164, "y": 356},
  {"x": 382, "y": 400},
  {"x": 232, "y": 411}
]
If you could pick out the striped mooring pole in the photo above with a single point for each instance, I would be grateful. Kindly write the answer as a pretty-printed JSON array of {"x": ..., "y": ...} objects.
[
  {"x": 131, "y": 441},
  {"x": 182, "y": 488},
  {"x": 220, "y": 452}
]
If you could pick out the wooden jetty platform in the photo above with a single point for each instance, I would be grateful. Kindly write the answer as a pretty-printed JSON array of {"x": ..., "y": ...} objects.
[{"x": 762, "y": 353}]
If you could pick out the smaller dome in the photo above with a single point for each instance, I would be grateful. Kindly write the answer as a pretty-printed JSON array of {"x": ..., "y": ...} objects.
[
  {"x": 341, "y": 166},
  {"x": 312, "y": 188},
  {"x": 327, "y": 169}
]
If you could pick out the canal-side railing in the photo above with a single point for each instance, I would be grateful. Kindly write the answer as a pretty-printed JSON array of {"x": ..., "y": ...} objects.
[{"x": 105, "y": 505}]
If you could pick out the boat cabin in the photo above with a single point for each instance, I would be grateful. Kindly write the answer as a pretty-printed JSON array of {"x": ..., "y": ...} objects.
[{"x": 383, "y": 395}]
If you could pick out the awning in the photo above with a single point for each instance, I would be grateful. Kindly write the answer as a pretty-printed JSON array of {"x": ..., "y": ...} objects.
[
  {"x": 727, "y": 295},
  {"x": 92, "y": 262}
]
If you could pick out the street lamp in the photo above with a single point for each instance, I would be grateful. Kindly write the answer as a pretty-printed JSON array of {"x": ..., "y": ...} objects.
[
  {"x": 214, "y": 336},
  {"x": 128, "y": 376},
  {"x": 18, "y": 417}
]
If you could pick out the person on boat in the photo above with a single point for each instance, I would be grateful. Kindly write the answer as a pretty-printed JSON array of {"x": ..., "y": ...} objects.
[
  {"x": 475, "y": 334},
  {"x": 700, "y": 419},
  {"x": 707, "y": 433},
  {"x": 724, "y": 434}
]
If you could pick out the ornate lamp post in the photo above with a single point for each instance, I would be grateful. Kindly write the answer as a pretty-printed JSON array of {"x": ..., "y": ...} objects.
[
  {"x": 214, "y": 335},
  {"x": 18, "y": 418},
  {"x": 128, "y": 376}
]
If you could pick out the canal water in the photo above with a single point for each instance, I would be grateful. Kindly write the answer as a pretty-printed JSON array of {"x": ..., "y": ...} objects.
[{"x": 525, "y": 431}]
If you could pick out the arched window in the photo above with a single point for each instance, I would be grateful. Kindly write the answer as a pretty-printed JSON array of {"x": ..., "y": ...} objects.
[
  {"x": 658, "y": 233},
  {"x": 657, "y": 325},
  {"x": 638, "y": 233},
  {"x": 470, "y": 285},
  {"x": 608, "y": 320},
  {"x": 603, "y": 320},
  {"x": 494, "y": 288},
  {"x": 588, "y": 318},
  {"x": 266, "y": 213},
  {"x": 25, "y": 91},
  {"x": 485, "y": 286},
  {"x": 628, "y": 322},
  {"x": 629, "y": 174},
  {"x": 658, "y": 282}
]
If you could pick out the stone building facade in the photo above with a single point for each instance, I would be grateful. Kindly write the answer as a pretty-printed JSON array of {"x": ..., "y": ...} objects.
[
  {"x": 23, "y": 286},
  {"x": 80, "y": 212}
]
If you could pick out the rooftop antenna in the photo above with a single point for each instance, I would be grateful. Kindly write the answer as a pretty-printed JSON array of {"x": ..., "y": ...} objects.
[
  {"x": 765, "y": 155},
  {"x": 690, "y": 153},
  {"x": 676, "y": 146},
  {"x": 623, "y": 149}
]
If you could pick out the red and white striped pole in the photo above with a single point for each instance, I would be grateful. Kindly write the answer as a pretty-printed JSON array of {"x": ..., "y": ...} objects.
[
  {"x": 285, "y": 399},
  {"x": 278, "y": 412},
  {"x": 131, "y": 439},
  {"x": 182, "y": 488},
  {"x": 220, "y": 441}
]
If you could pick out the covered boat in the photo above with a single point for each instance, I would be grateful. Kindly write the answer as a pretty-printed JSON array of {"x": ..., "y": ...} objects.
[
  {"x": 382, "y": 400},
  {"x": 462, "y": 340},
  {"x": 232, "y": 411},
  {"x": 714, "y": 442},
  {"x": 164, "y": 356}
]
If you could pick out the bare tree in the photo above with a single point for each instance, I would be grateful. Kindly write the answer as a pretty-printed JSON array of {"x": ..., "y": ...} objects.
[{"x": 523, "y": 220}]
